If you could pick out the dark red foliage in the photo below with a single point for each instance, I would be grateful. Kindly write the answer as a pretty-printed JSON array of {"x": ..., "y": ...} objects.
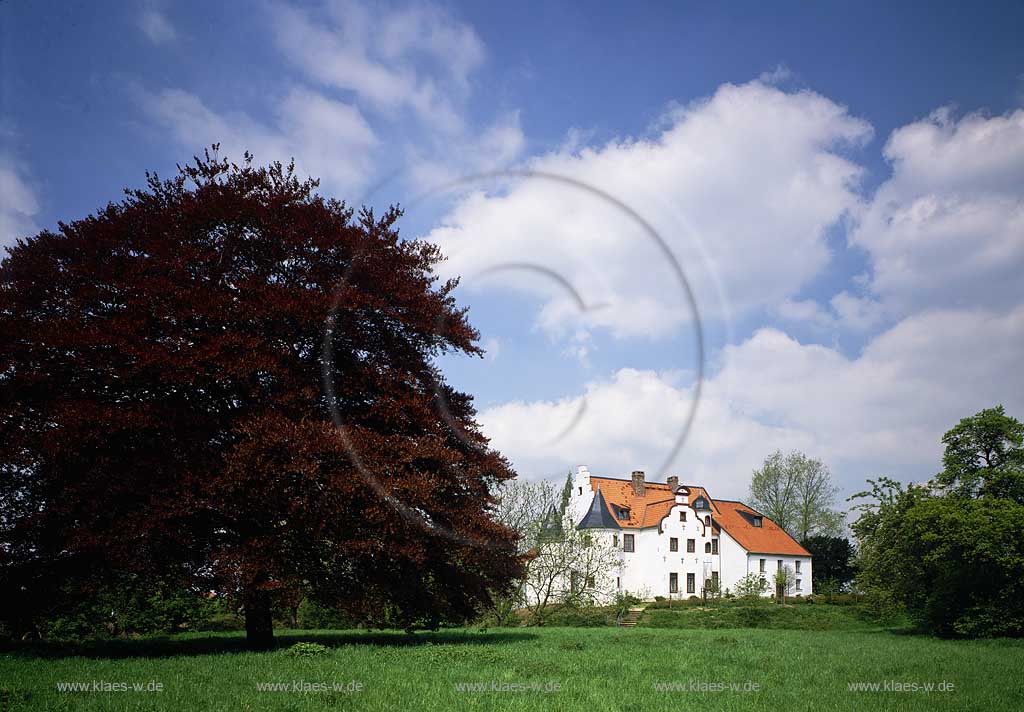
[{"x": 165, "y": 405}]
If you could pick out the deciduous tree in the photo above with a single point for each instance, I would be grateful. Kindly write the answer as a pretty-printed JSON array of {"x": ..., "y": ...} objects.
[
  {"x": 796, "y": 492},
  {"x": 753, "y": 585},
  {"x": 984, "y": 456},
  {"x": 170, "y": 368},
  {"x": 952, "y": 551},
  {"x": 574, "y": 568}
]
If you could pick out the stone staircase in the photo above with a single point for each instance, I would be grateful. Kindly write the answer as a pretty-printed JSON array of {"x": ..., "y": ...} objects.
[{"x": 629, "y": 618}]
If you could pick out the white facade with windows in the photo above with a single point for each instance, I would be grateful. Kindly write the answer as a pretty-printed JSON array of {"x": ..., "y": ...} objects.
[{"x": 676, "y": 541}]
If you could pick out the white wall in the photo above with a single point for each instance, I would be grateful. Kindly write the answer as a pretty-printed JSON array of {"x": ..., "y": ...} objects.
[
  {"x": 734, "y": 562},
  {"x": 771, "y": 565},
  {"x": 581, "y": 496},
  {"x": 646, "y": 570}
]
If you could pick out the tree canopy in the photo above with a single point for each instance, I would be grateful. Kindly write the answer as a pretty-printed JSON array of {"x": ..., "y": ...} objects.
[
  {"x": 229, "y": 380},
  {"x": 985, "y": 456},
  {"x": 796, "y": 492},
  {"x": 833, "y": 561},
  {"x": 952, "y": 550}
]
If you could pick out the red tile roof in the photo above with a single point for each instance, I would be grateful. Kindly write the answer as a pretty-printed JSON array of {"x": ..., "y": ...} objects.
[
  {"x": 645, "y": 511},
  {"x": 769, "y": 538},
  {"x": 658, "y": 499}
]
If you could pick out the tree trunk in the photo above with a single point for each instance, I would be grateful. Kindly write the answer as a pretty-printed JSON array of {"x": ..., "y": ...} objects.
[{"x": 259, "y": 624}]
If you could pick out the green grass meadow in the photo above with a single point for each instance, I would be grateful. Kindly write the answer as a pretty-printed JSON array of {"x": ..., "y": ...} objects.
[{"x": 807, "y": 664}]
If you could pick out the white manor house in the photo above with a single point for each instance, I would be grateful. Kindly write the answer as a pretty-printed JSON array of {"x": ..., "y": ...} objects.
[{"x": 675, "y": 540}]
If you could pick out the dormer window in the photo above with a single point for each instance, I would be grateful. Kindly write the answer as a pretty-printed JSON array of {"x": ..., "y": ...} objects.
[
  {"x": 757, "y": 521},
  {"x": 700, "y": 503},
  {"x": 623, "y": 513}
]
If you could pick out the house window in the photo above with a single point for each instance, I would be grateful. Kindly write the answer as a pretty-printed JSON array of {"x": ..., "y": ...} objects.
[
  {"x": 691, "y": 545},
  {"x": 707, "y": 520},
  {"x": 714, "y": 579},
  {"x": 673, "y": 544},
  {"x": 757, "y": 521},
  {"x": 618, "y": 582},
  {"x": 798, "y": 584},
  {"x": 714, "y": 546},
  {"x": 615, "y": 540},
  {"x": 682, "y": 516},
  {"x": 581, "y": 491},
  {"x": 590, "y": 581},
  {"x": 780, "y": 565},
  {"x": 627, "y": 542},
  {"x": 762, "y": 565},
  {"x": 798, "y": 567},
  {"x": 707, "y": 548},
  {"x": 673, "y": 583},
  {"x": 691, "y": 583}
]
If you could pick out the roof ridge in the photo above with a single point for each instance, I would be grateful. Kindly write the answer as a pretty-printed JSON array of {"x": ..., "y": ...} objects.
[{"x": 622, "y": 479}]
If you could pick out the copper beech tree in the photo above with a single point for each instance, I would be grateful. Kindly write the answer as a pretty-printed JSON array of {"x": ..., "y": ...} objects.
[{"x": 229, "y": 381}]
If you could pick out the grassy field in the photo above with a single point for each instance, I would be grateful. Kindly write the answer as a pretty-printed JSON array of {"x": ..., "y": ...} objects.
[{"x": 664, "y": 668}]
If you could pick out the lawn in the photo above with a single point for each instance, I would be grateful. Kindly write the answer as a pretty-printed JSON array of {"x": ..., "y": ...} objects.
[{"x": 531, "y": 668}]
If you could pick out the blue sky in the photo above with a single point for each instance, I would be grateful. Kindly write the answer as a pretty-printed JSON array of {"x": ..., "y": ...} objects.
[{"x": 841, "y": 185}]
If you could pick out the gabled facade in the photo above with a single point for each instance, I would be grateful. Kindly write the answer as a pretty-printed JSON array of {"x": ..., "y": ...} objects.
[{"x": 675, "y": 539}]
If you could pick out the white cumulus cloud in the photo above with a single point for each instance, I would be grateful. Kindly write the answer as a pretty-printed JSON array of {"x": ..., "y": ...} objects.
[
  {"x": 883, "y": 412},
  {"x": 328, "y": 139},
  {"x": 18, "y": 204},
  {"x": 947, "y": 229},
  {"x": 742, "y": 187}
]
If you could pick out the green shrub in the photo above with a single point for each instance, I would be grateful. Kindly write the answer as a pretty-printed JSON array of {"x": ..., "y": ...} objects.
[
  {"x": 307, "y": 650},
  {"x": 582, "y": 617},
  {"x": 314, "y": 616},
  {"x": 676, "y": 603},
  {"x": 757, "y": 615},
  {"x": 219, "y": 622},
  {"x": 123, "y": 605},
  {"x": 841, "y": 599},
  {"x": 627, "y": 600}
]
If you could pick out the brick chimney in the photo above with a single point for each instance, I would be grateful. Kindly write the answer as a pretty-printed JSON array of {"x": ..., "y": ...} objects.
[
  {"x": 638, "y": 482},
  {"x": 672, "y": 482}
]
